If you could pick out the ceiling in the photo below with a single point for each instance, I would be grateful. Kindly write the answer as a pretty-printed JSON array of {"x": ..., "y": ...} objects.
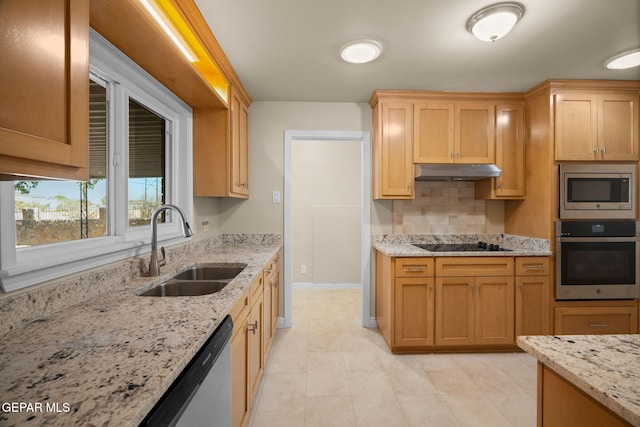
[{"x": 288, "y": 50}]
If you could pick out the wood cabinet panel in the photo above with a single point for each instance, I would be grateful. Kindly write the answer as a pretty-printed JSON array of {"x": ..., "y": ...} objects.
[
  {"x": 596, "y": 320},
  {"x": 532, "y": 305},
  {"x": 510, "y": 156},
  {"x": 475, "y": 132},
  {"x": 494, "y": 310},
  {"x": 561, "y": 404},
  {"x": 474, "y": 266},
  {"x": 532, "y": 296},
  {"x": 414, "y": 267},
  {"x": 44, "y": 132},
  {"x": 239, "y": 372},
  {"x": 393, "y": 151},
  {"x": 220, "y": 150},
  {"x": 454, "y": 311},
  {"x": 454, "y": 132},
  {"x": 256, "y": 347},
  {"x": 413, "y": 308},
  {"x": 595, "y": 125},
  {"x": 434, "y": 130},
  {"x": 532, "y": 266}
]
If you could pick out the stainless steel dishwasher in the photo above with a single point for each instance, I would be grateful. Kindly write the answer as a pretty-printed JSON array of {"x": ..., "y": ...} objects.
[{"x": 201, "y": 395}]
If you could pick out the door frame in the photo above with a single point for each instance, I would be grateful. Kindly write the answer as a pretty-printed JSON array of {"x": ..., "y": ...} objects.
[{"x": 365, "y": 215}]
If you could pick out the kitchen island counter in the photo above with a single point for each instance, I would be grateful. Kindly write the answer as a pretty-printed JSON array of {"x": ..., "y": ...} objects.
[
  {"x": 605, "y": 367},
  {"x": 109, "y": 359}
]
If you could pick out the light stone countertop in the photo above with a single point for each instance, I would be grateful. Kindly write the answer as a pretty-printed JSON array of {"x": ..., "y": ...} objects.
[
  {"x": 401, "y": 245},
  {"x": 606, "y": 367},
  {"x": 108, "y": 360}
]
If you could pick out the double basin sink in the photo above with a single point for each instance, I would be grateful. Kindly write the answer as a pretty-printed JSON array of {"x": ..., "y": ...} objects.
[{"x": 201, "y": 279}]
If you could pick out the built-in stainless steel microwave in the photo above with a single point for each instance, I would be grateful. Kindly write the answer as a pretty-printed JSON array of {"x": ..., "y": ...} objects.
[{"x": 597, "y": 191}]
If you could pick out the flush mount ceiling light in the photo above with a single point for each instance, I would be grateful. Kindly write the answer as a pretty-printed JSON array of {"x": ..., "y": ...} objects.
[
  {"x": 495, "y": 21},
  {"x": 361, "y": 51},
  {"x": 623, "y": 61}
]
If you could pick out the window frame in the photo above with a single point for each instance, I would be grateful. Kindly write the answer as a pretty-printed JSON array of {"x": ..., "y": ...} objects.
[{"x": 23, "y": 267}]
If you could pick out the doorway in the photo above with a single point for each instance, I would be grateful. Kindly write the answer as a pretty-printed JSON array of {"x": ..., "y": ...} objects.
[{"x": 320, "y": 216}]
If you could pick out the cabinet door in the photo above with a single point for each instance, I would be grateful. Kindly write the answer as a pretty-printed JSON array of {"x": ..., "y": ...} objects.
[
  {"x": 454, "y": 311},
  {"x": 256, "y": 356},
  {"x": 433, "y": 132},
  {"x": 532, "y": 305},
  {"x": 239, "y": 160},
  {"x": 618, "y": 126},
  {"x": 267, "y": 326},
  {"x": 239, "y": 373},
  {"x": 275, "y": 294},
  {"x": 494, "y": 310},
  {"x": 510, "y": 151},
  {"x": 44, "y": 84},
  {"x": 394, "y": 152},
  {"x": 576, "y": 125},
  {"x": 475, "y": 132},
  {"x": 414, "y": 316}
]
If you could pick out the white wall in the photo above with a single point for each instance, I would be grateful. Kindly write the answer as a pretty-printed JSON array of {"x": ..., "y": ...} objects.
[{"x": 325, "y": 219}]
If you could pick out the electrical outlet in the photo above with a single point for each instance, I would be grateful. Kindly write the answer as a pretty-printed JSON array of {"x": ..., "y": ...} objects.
[
  {"x": 275, "y": 197},
  {"x": 205, "y": 225},
  {"x": 303, "y": 269}
]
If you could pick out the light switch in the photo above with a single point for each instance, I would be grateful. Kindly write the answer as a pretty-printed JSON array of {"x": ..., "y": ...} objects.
[{"x": 275, "y": 197}]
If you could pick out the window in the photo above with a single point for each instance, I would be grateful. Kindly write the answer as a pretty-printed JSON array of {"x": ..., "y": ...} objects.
[{"x": 139, "y": 158}]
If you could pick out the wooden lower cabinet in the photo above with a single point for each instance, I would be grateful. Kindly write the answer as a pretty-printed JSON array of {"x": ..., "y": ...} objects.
[
  {"x": 413, "y": 312},
  {"x": 532, "y": 296},
  {"x": 253, "y": 330},
  {"x": 474, "y": 311},
  {"x": 256, "y": 347},
  {"x": 596, "y": 320},
  {"x": 240, "y": 361},
  {"x": 463, "y": 303},
  {"x": 561, "y": 404}
]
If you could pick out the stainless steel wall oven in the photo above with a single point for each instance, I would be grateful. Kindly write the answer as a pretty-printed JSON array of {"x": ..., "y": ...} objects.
[{"x": 597, "y": 260}]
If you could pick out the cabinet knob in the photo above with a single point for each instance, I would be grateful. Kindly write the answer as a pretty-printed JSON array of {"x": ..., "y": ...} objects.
[
  {"x": 603, "y": 150},
  {"x": 451, "y": 154},
  {"x": 458, "y": 155}
]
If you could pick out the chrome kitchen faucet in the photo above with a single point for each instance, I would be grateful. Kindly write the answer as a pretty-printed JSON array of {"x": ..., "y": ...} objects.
[{"x": 154, "y": 264}]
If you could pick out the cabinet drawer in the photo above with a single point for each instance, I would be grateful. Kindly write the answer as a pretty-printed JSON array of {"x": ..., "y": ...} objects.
[
  {"x": 532, "y": 266},
  {"x": 414, "y": 267},
  {"x": 595, "y": 320},
  {"x": 474, "y": 266}
]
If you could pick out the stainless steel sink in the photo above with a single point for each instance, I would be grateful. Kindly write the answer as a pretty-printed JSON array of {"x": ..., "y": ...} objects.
[
  {"x": 210, "y": 272},
  {"x": 188, "y": 288},
  {"x": 201, "y": 279}
]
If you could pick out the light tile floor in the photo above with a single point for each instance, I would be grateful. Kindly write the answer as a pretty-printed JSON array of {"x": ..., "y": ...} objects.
[{"x": 327, "y": 370}]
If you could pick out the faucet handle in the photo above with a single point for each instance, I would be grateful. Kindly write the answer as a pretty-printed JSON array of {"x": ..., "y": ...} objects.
[{"x": 162, "y": 261}]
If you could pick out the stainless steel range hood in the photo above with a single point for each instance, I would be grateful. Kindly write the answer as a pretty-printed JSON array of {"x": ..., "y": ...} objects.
[{"x": 455, "y": 172}]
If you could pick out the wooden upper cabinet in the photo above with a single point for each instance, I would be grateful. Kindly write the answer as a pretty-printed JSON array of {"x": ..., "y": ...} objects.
[
  {"x": 393, "y": 150},
  {"x": 434, "y": 130},
  {"x": 239, "y": 161},
  {"x": 454, "y": 132},
  {"x": 220, "y": 150},
  {"x": 44, "y": 82},
  {"x": 510, "y": 147},
  {"x": 475, "y": 132},
  {"x": 593, "y": 125}
]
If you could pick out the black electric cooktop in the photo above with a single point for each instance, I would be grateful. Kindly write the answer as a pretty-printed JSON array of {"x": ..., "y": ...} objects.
[{"x": 461, "y": 247}]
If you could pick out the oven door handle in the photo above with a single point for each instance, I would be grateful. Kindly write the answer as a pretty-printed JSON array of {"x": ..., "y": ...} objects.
[{"x": 597, "y": 239}]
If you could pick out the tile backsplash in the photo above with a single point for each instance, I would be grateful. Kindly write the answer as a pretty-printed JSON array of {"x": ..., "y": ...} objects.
[{"x": 447, "y": 207}]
